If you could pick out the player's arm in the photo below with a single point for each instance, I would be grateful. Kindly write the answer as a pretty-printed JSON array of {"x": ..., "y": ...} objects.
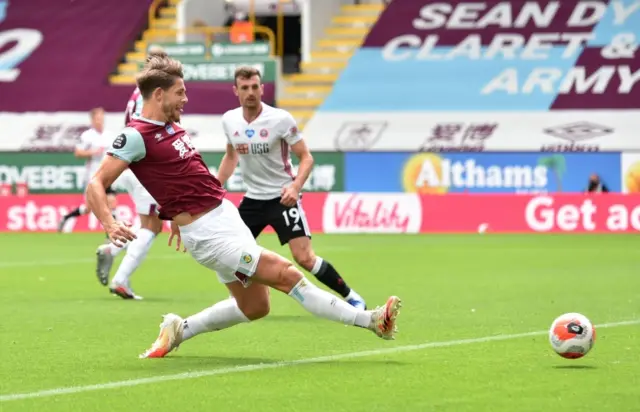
[
  {"x": 305, "y": 166},
  {"x": 227, "y": 164},
  {"x": 83, "y": 149},
  {"x": 292, "y": 136},
  {"x": 127, "y": 148},
  {"x": 110, "y": 169}
]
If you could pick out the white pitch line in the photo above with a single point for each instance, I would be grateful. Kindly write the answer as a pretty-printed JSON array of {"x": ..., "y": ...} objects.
[{"x": 282, "y": 364}]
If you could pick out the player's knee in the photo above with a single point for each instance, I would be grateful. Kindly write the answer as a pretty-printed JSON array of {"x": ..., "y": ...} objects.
[
  {"x": 302, "y": 252},
  {"x": 306, "y": 259},
  {"x": 277, "y": 272},
  {"x": 256, "y": 308},
  {"x": 289, "y": 277}
]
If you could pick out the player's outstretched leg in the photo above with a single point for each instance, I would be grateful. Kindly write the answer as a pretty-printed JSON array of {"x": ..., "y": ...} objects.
[
  {"x": 275, "y": 271},
  {"x": 324, "y": 271},
  {"x": 252, "y": 303}
]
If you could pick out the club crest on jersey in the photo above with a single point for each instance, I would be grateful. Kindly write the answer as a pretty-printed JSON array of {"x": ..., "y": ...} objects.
[
  {"x": 264, "y": 133},
  {"x": 249, "y": 133},
  {"x": 170, "y": 129}
]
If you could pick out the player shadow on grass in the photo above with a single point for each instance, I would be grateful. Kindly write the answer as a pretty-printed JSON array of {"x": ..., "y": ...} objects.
[
  {"x": 231, "y": 361},
  {"x": 588, "y": 367},
  {"x": 288, "y": 318}
]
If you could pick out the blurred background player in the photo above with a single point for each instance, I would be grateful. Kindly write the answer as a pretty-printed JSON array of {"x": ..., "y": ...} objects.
[
  {"x": 92, "y": 147},
  {"x": 596, "y": 185},
  {"x": 137, "y": 249},
  {"x": 147, "y": 210},
  {"x": 259, "y": 137}
]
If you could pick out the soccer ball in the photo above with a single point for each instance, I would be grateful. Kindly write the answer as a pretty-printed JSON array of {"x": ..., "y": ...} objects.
[{"x": 572, "y": 335}]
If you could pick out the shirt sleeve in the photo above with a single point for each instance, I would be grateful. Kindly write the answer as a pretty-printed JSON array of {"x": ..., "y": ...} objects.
[
  {"x": 85, "y": 141},
  {"x": 224, "y": 129},
  {"x": 289, "y": 130},
  {"x": 128, "y": 146}
]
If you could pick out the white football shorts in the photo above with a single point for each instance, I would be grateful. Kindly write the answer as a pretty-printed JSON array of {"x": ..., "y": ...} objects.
[{"x": 221, "y": 241}]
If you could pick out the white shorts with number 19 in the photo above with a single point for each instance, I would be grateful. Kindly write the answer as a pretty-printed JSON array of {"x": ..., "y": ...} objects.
[{"x": 221, "y": 241}]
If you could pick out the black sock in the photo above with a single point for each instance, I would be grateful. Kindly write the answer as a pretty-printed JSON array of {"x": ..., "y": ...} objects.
[
  {"x": 75, "y": 213},
  {"x": 332, "y": 279}
]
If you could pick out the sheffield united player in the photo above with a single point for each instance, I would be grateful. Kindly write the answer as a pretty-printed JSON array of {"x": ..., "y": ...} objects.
[
  {"x": 146, "y": 207},
  {"x": 260, "y": 138},
  {"x": 161, "y": 155},
  {"x": 93, "y": 144}
]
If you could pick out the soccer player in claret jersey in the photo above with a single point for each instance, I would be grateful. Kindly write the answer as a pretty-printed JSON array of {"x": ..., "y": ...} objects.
[
  {"x": 260, "y": 137},
  {"x": 159, "y": 152},
  {"x": 147, "y": 209}
]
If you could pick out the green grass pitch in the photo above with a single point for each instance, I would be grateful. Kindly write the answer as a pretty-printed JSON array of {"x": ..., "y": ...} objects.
[{"x": 60, "y": 329}]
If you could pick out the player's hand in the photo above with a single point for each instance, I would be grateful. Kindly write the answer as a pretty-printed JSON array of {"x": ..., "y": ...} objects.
[
  {"x": 120, "y": 233},
  {"x": 290, "y": 196},
  {"x": 175, "y": 233}
]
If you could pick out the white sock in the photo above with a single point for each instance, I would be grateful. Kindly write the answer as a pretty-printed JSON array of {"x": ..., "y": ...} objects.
[
  {"x": 328, "y": 306},
  {"x": 222, "y": 315},
  {"x": 136, "y": 252},
  {"x": 316, "y": 266},
  {"x": 115, "y": 250}
]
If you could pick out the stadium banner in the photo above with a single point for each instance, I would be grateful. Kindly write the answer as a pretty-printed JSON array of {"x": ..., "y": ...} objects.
[
  {"x": 556, "y": 131},
  {"x": 63, "y": 64},
  {"x": 630, "y": 172},
  {"x": 49, "y": 173},
  {"x": 222, "y": 70},
  {"x": 384, "y": 213},
  {"x": 240, "y": 50},
  {"x": 440, "y": 173},
  {"x": 517, "y": 55},
  {"x": 182, "y": 51},
  {"x": 558, "y": 67},
  {"x": 557, "y": 213},
  {"x": 60, "y": 132},
  {"x": 42, "y": 213},
  {"x": 372, "y": 213}
]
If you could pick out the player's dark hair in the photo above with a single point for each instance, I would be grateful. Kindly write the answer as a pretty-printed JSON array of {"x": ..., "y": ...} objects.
[
  {"x": 245, "y": 73},
  {"x": 159, "y": 72}
]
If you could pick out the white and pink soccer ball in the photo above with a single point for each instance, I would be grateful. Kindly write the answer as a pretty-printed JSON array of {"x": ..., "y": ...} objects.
[{"x": 572, "y": 335}]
